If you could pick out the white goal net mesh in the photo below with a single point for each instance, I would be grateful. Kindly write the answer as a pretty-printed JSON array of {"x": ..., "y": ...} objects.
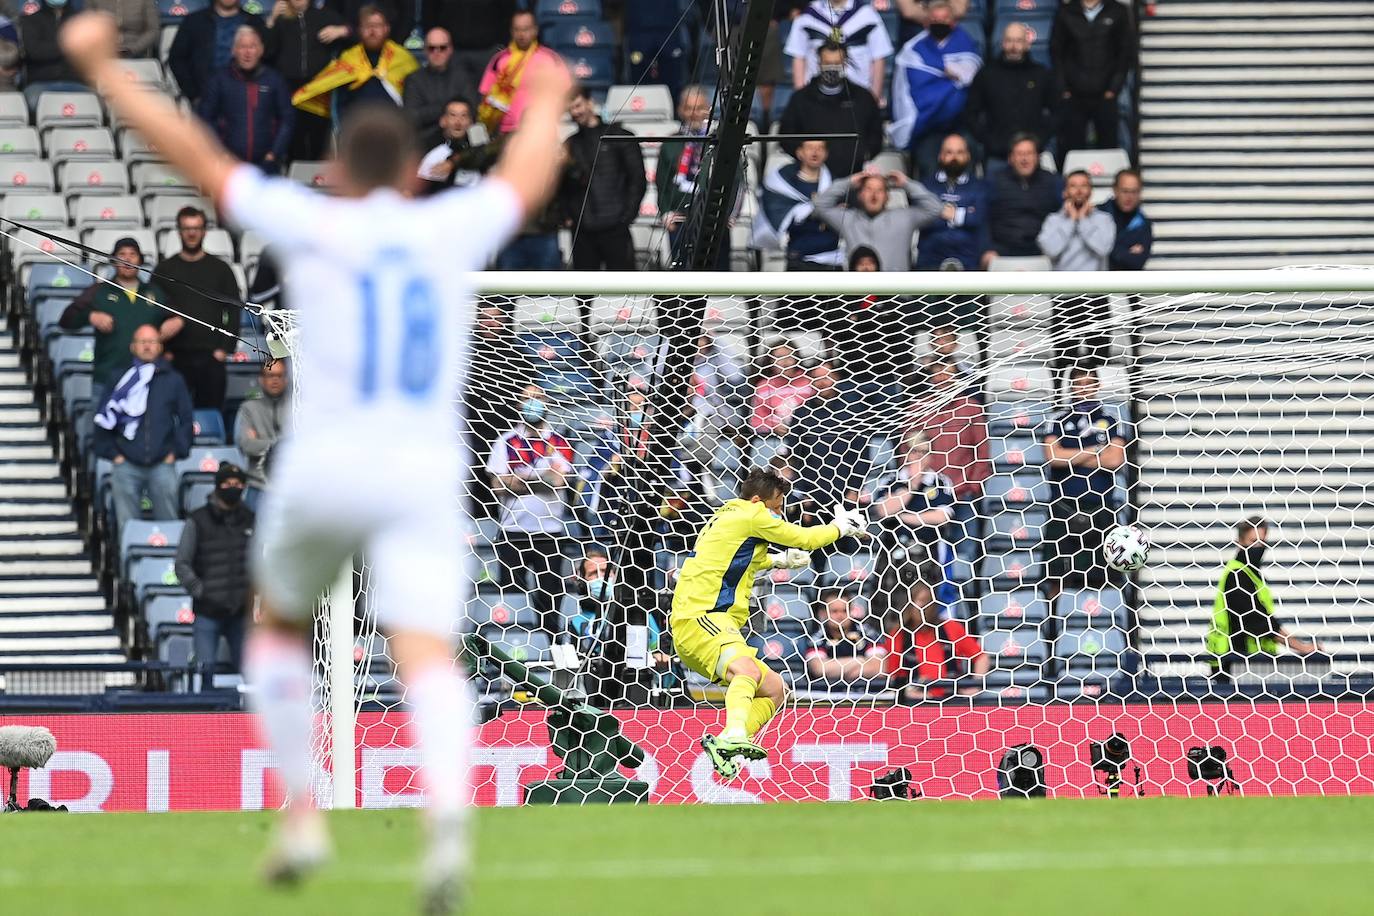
[{"x": 993, "y": 440}]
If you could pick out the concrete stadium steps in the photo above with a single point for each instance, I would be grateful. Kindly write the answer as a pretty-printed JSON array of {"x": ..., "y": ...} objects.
[
  {"x": 1257, "y": 132},
  {"x": 1253, "y": 407},
  {"x": 51, "y": 608}
]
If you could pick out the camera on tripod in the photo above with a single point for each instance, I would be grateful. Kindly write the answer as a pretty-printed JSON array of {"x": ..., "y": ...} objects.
[
  {"x": 1110, "y": 758},
  {"x": 1208, "y": 764}
]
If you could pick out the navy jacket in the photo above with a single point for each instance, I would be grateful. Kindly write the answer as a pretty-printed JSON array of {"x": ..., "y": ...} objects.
[
  {"x": 166, "y": 427},
  {"x": 252, "y": 113},
  {"x": 192, "y": 55},
  {"x": 960, "y": 238},
  {"x": 1130, "y": 231},
  {"x": 1017, "y": 209}
]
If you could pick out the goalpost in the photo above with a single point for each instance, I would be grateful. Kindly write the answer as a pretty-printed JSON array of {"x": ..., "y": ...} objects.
[{"x": 1235, "y": 393}]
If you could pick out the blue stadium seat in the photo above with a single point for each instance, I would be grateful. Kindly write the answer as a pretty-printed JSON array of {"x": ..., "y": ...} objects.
[
  {"x": 1009, "y": 610},
  {"x": 141, "y": 539},
  {"x": 1026, "y": 8},
  {"x": 209, "y": 427},
  {"x": 782, "y": 651},
  {"x": 844, "y": 569},
  {"x": 1015, "y": 647},
  {"x": 151, "y": 576},
  {"x": 47, "y": 312},
  {"x": 200, "y": 465},
  {"x": 502, "y": 609},
  {"x": 173, "y": 11},
  {"x": 1022, "y": 526},
  {"x": 1092, "y": 607},
  {"x": 1027, "y": 487},
  {"x": 72, "y": 353},
  {"x": 166, "y": 611},
  {"x": 571, "y": 37},
  {"x": 1098, "y": 650},
  {"x": 550, "y": 10},
  {"x": 194, "y": 495},
  {"x": 1016, "y": 566},
  {"x": 58, "y": 279},
  {"x": 785, "y": 602},
  {"x": 1013, "y": 452},
  {"x": 593, "y": 67},
  {"x": 522, "y": 644},
  {"x": 76, "y": 392}
]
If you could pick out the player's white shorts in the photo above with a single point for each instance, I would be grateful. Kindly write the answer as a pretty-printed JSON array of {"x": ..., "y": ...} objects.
[{"x": 399, "y": 506}]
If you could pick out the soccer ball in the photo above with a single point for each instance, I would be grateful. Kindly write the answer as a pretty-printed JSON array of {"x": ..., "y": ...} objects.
[{"x": 1126, "y": 547}]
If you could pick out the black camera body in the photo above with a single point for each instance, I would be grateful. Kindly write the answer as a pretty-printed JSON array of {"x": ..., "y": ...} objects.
[
  {"x": 1207, "y": 763},
  {"x": 1110, "y": 756},
  {"x": 1021, "y": 772},
  {"x": 896, "y": 784}
]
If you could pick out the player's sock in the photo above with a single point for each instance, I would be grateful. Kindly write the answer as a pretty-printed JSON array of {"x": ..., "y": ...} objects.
[
  {"x": 441, "y": 704},
  {"x": 278, "y": 667},
  {"x": 738, "y": 697},
  {"x": 761, "y": 712}
]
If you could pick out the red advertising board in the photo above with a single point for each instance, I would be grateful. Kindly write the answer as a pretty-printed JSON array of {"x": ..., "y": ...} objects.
[{"x": 159, "y": 762}]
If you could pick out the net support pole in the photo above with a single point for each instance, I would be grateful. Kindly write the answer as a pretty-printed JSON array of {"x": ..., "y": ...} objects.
[{"x": 342, "y": 721}]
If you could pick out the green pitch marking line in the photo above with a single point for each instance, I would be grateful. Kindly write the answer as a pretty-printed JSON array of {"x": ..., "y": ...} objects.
[{"x": 1244, "y": 856}]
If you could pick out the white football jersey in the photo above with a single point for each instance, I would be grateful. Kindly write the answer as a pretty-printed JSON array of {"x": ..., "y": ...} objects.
[{"x": 383, "y": 290}]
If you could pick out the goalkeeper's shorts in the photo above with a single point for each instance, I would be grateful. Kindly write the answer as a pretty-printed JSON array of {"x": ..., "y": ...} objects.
[{"x": 709, "y": 643}]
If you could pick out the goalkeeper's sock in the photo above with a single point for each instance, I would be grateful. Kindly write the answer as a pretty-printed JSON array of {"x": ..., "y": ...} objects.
[
  {"x": 738, "y": 697},
  {"x": 761, "y": 712},
  {"x": 278, "y": 667},
  {"x": 441, "y": 704}
]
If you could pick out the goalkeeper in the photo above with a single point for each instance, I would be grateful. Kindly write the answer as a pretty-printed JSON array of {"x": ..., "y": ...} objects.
[{"x": 711, "y": 604}]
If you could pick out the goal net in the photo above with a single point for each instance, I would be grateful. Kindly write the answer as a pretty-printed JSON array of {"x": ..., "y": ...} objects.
[{"x": 994, "y": 427}]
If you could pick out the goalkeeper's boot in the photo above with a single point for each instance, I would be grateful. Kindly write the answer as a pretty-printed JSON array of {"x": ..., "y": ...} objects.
[
  {"x": 740, "y": 746},
  {"x": 301, "y": 846},
  {"x": 724, "y": 764},
  {"x": 443, "y": 873}
]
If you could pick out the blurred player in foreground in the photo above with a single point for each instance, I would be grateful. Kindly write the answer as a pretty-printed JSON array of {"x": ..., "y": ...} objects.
[
  {"x": 386, "y": 308},
  {"x": 711, "y": 604}
]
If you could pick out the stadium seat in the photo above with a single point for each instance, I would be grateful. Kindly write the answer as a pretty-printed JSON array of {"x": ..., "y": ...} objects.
[
  {"x": 173, "y": 11},
  {"x": 145, "y": 70},
  {"x": 209, "y": 427},
  {"x": 536, "y": 312},
  {"x": 1101, "y": 164},
  {"x": 501, "y": 609},
  {"x": 783, "y": 650},
  {"x": 593, "y": 68},
  {"x": 72, "y": 353},
  {"x": 107, "y": 210},
  {"x": 49, "y": 279},
  {"x": 218, "y": 242},
  {"x": 1016, "y": 566},
  {"x": 1027, "y": 263},
  {"x": 1015, "y": 489},
  {"x": 166, "y": 611},
  {"x": 140, "y": 539},
  {"x": 1022, "y": 526},
  {"x": 46, "y": 314},
  {"x": 194, "y": 495},
  {"x": 785, "y": 602},
  {"x": 174, "y": 651},
  {"x": 19, "y": 176},
  {"x": 20, "y": 143},
  {"x": 307, "y": 173},
  {"x": 1098, "y": 650},
  {"x": 641, "y": 103},
  {"x": 76, "y": 393},
  {"x": 849, "y": 568},
  {"x": 103, "y": 239},
  {"x": 573, "y": 36},
  {"x": 203, "y": 461},
  {"x": 1014, "y": 647},
  {"x": 93, "y": 178},
  {"x": 548, "y": 11},
  {"x": 1092, "y": 607},
  {"x": 14, "y": 111},
  {"x": 151, "y": 576},
  {"x": 68, "y": 109},
  {"x": 250, "y": 249},
  {"x": 1007, "y": 610},
  {"x": 525, "y": 645},
  {"x": 1010, "y": 454},
  {"x": 134, "y": 148},
  {"x": 63, "y": 143},
  {"x": 46, "y": 210},
  {"x": 26, "y": 247},
  {"x": 162, "y": 210},
  {"x": 159, "y": 178}
]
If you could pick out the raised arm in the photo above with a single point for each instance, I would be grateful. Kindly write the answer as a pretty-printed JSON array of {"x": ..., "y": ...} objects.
[
  {"x": 90, "y": 41},
  {"x": 528, "y": 164}
]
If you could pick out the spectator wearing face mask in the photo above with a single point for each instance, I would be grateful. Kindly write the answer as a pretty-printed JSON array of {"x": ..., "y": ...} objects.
[
  {"x": 531, "y": 469},
  {"x": 930, "y": 86},
  {"x": 593, "y": 590},
  {"x": 833, "y": 104},
  {"x": 852, "y": 24},
  {"x": 212, "y": 565}
]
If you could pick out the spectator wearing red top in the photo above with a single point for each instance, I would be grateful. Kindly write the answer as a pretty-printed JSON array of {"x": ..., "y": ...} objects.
[
  {"x": 531, "y": 468},
  {"x": 923, "y": 649},
  {"x": 778, "y": 395},
  {"x": 954, "y": 419},
  {"x": 841, "y": 651}
]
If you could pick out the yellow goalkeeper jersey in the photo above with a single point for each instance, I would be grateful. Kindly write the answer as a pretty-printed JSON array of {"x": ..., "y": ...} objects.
[{"x": 730, "y": 551}]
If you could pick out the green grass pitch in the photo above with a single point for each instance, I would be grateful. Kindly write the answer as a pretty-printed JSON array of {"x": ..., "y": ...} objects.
[{"x": 1152, "y": 855}]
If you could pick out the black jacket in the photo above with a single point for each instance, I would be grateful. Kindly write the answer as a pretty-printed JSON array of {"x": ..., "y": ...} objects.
[
  {"x": 1131, "y": 230},
  {"x": 427, "y": 92},
  {"x": 608, "y": 176},
  {"x": 165, "y": 429},
  {"x": 294, "y": 50},
  {"x": 1092, "y": 57},
  {"x": 43, "y": 58},
  {"x": 1017, "y": 209},
  {"x": 1008, "y": 98},
  {"x": 192, "y": 55},
  {"x": 212, "y": 559},
  {"x": 400, "y": 15},
  {"x": 851, "y": 111}
]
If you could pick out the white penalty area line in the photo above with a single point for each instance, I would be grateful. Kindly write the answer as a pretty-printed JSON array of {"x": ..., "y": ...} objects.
[{"x": 637, "y": 870}]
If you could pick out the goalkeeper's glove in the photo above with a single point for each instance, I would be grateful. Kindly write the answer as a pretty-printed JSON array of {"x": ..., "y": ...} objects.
[
  {"x": 851, "y": 522},
  {"x": 791, "y": 558}
]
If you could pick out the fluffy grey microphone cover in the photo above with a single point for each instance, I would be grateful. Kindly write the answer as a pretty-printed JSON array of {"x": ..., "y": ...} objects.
[{"x": 26, "y": 746}]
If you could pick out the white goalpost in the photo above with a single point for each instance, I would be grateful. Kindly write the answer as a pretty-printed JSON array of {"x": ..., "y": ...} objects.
[{"x": 933, "y": 647}]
